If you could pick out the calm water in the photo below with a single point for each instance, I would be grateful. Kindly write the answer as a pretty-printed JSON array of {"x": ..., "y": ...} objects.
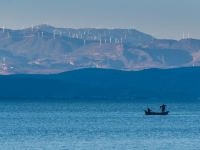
[{"x": 97, "y": 126}]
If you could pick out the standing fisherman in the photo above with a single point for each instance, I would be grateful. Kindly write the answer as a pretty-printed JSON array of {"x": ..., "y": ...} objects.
[{"x": 163, "y": 107}]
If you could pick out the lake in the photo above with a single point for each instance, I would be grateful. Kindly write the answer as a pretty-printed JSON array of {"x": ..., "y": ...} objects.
[{"x": 98, "y": 126}]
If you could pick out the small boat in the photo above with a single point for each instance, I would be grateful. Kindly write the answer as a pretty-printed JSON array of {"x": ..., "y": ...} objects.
[{"x": 156, "y": 113}]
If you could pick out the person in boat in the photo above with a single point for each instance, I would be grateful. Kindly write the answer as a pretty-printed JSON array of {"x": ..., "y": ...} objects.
[
  {"x": 149, "y": 110},
  {"x": 163, "y": 107}
]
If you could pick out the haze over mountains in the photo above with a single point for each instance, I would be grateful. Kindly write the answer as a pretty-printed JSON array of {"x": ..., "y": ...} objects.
[{"x": 45, "y": 49}]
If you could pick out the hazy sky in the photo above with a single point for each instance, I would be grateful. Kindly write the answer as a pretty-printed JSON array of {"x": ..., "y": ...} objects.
[{"x": 161, "y": 18}]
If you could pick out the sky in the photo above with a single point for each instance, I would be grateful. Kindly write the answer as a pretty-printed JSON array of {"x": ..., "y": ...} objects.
[{"x": 160, "y": 18}]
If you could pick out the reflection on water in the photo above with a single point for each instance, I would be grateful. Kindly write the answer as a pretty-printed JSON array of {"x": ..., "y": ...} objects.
[{"x": 97, "y": 126}]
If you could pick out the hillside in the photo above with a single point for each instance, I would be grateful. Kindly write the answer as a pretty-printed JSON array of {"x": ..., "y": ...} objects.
[
  {"x": 111, "y": 85},
  {"x": 45, "y": 49}
]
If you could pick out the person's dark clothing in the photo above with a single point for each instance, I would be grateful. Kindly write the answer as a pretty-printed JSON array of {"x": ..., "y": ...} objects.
[
  {"x": 149, "y": 110},
  {"x": 163, "y": 108}
]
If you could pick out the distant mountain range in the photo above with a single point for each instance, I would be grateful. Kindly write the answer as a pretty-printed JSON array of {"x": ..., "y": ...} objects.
[
  {"x": 101, "y": 84},
  {"x": 45, "y": 49}
]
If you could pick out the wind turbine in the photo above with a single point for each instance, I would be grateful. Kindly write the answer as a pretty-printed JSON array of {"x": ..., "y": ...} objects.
[
  {"x": 188, "y": 35},
  {"x": 3, "y": 29},
  {"x": 183, "y": 35},
  {"x": 54, "y": 34},
  {"x": 32, "y": 28},
  {"x": 84, "y": 42},
  {"x": 8, "y": 35},
  {"x": 77, "y": 35},
  {"x": 4, "y": 61},
  {"x": 125, "y": 36},
  {"x": 115, "y": 41},
  {"x": 100, "y": 42},
  {"x": 4, "y": 66}
]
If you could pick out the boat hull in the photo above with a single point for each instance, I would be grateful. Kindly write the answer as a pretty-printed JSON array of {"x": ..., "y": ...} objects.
[{"x": 156, "y": 113}]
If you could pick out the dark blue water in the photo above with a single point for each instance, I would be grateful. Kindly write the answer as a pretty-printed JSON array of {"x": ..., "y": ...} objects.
[{"x": 97, "y": 126}]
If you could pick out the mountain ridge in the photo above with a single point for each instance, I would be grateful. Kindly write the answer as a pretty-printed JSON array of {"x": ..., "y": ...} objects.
[
  {"x": 46, "y": 49},
  {"x": 181, "y": 84}
]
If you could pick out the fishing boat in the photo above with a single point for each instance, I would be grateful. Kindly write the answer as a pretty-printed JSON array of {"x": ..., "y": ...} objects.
[{"x": 156, "y": 113}]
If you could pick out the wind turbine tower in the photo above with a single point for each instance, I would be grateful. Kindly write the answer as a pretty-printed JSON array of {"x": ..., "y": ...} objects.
[
  {"x": 100, "y": 42},
  {"x": 32, "y": 28},
  {"x": 8, "y": 35},
  {"x": 125, "y": 36},
  {"x": 115, "y": 41},
  {"x": 3, "y": 29},
  {"x": 4, "y": 66},
  {"x": 84, "y": 42},
  {"x": 4, "y": 60},
  {"x": 54, "y": 34},
  {"x": 183, "y": 36},
  {"x": 188, "y": 35}
]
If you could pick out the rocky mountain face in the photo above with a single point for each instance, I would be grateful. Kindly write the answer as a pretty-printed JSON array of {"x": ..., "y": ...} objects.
[{"x": 44, "y": 49}]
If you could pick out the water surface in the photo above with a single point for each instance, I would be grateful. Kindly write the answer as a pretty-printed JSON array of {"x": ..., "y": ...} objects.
[{"x": 97, "y": 126}]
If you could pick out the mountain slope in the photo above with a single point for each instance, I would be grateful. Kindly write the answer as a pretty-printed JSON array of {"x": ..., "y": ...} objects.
[
  {"x": 46, "y": 49},
  {"x": 111, "y": 85}
]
